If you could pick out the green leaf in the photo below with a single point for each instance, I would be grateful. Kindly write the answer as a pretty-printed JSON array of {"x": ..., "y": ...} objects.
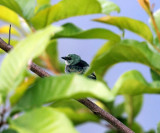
[
  {"x": 50, "y": 57},
  {"x": 42, "y": 120},
  {"x": 20, "y": 90},
  {"x": 25, "y": 8},
  {"x": 155, "y": 75},
  {"x": 136, "y": 127},
  {"x": 157, "y": 19},
  {"x": 158, "y": 128},
  {"x": 61, "y": 87},
  {"x": 133, "y": 105},
  {"x": 16, "y": 61},
  {"x": 9, "y": 16},
  {"x": 118, "y": 110},
  {"x": 9, "y": 131},
  {"x": 108, "y": 7},
  {"x": 42, "y": 4},
  {"x": 151, "y": 131},
  {"x": 125, "y": 51},
  {"x": 133, "y": 83},
  {"x": 76, "y": 8},
  {"x": 76, "y": 111},
  {"x": 130, "y": 24},
  {"x": 71, "y": 31}
]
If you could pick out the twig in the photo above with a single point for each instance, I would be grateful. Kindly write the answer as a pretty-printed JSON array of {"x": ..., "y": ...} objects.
[
  {"x": 92, "y": 106},
  {"x": 2, "y": 114},
  {"x": 9, "y": 34}
]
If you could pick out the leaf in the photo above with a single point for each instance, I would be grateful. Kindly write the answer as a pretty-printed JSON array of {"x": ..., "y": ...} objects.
[
  {"x": 5, "y": 30},
  {"x": 77, "y": 7},
  {"x": 42, "y": 4},
  {"x": 71, "y": 31},
  {"x": 75, "y": 111},
  {"x": 155, "y": 75},
  {"x": 133, "y": 83},
  {"x": 20, "y": 90},
  {"x": 125, "y": 51},
  {"x": 25, "y": 8},
  {"x": 9, "y": 131},
  {"x": 61, "y": 87},
  {"x": 145, "y": 4},
  {"x": 42, "y": 120},
  {"x": 118, "y": 110},
  {"x": 151, "y": 131},
  {"x": 136, "y": 127},
  {"x": 16, "y": 61},
  {"x": 156, "y": 15},
  {"x": 50, "y": 57},
  {"x": 130, "y": 24},
  {"x": 133, "y": 105},
  {"x": 158, "y": 128},
  {"x": 9, "y": 16},
  {"x": 108, "y": 7}
]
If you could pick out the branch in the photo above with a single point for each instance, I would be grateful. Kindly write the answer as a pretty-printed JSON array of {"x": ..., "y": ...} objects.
[{"x": 92, "y": 106}]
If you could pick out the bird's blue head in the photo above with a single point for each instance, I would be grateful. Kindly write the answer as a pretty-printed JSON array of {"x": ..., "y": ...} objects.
[{"x": 72, "y": 59}]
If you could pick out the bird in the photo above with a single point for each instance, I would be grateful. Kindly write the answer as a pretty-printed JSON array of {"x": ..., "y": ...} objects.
[{"x": 74, "y": 64}]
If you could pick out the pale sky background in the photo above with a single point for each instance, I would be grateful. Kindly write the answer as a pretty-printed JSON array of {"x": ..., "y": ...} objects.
[{"x": 149, "y": 116}]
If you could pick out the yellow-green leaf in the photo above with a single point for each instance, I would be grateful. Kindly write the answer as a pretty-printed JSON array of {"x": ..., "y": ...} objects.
[
  {"x": 76, "y": 111},
  {"x": 125, "y": 51},
  {"x": 16, "y": 61},
  {"x": 76, "y": 8},
  {"x": 24, "y": 8},
  {"x": 61, "y": 87},
  {"x": 42, "y": 120},
  {"x": 130, "y": 24},
  {"x": 72, "y": 31},
  {"x": 21, "y": 89},
  {"x": 9, "y": 16},
  {"x": 133, "y": 83},
  {"x": 5, "y": 30}
]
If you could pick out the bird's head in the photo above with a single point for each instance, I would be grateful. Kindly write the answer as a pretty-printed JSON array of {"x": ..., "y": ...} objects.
[{"x": 72, "y": 59}]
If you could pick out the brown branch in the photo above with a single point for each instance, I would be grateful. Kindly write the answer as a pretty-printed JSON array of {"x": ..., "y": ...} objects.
[
  {"x": 2, "y": 116},
  {"x": 92, "y": 106},
  {"x": 106, "y": 116}
]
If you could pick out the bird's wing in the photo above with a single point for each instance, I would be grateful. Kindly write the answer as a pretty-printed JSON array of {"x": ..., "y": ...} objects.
[
  {"x": 75, "y": 69},
  {"x": 82, "y": 63}
]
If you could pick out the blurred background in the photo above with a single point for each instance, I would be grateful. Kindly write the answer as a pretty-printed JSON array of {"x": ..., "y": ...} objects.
[{"x": 149, "y": 116}]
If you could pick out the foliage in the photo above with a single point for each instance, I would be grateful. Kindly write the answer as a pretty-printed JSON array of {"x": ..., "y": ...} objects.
[{"x": 36, "y": 39}]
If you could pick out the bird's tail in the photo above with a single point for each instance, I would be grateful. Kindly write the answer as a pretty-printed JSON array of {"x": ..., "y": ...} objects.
[{"x": 92, "y": 76}]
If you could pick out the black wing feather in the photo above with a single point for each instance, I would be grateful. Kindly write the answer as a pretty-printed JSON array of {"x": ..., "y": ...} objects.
[{"x": 82, "y": 64}]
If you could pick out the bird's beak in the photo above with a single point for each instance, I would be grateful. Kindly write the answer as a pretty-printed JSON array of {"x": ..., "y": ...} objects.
[{"x": 65, "y": 58}]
